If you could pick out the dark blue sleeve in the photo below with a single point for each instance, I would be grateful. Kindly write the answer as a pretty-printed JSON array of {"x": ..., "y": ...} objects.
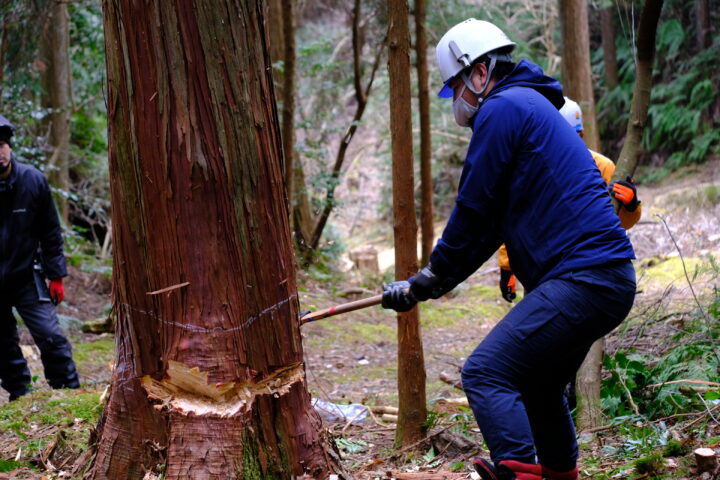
[
  {"x": 468, "y": 240},
  {"x": 48, "y": 226}
]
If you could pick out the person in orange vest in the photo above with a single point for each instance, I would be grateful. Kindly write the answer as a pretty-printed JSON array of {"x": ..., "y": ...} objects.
[{"x": 624, "y": 191}]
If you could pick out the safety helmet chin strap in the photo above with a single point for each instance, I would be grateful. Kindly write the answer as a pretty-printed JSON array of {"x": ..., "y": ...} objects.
[{"x": 494, "y": 57}]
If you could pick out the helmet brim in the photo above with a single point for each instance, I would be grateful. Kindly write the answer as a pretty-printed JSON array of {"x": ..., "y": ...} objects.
[{"x": 446, "y": 91}]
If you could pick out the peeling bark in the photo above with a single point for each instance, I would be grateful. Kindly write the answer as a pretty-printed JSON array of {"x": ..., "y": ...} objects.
[{"x": 209, "y": 380}]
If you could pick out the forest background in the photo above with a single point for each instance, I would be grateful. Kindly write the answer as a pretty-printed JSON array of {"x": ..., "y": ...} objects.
[{"x": 670, "y": 336}]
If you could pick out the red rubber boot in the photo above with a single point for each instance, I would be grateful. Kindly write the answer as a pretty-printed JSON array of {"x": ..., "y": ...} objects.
[
  {"x": 507, "y": 470},
  {"x": 553, "y": 475}
]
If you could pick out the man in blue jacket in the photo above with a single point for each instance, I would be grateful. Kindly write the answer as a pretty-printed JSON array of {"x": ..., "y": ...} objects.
[
  {"x": 530, "y": 182},
  {"x": 28, "y": 221}
]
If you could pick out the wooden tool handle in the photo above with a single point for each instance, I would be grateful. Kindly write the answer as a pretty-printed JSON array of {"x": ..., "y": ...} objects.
[{"x": 342, "y": 308}]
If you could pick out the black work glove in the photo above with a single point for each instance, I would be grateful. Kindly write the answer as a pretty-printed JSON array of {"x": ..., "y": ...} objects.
[
  {"x": 425, "y": 284},
  {"x": 507, "y": 284},
  {"x": 397, "y": 296},
  {"x": 626, "y": 193}
]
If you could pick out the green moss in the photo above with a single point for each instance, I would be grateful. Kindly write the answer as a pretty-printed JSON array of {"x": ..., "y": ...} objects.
[
  {"x": 98, "y": 351},
  {"x": 85, "y": 406},
  {"x": 667, "y": 270},
  {"x": 649, "y": 465},
  {"x": 349, "y": 331},
  {"x": 251, "y": 469}
]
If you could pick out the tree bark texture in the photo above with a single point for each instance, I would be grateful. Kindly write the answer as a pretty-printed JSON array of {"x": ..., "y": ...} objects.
[
  {"x": 607, "y": 32},
  {"x": 703, "y": 24},
  {"x": 208, "y": 380},
  {"x": 56, "y": 80},
  {"x": 426, "y": 186},
  {"x": 587, "y": 388},
  {"x": 576, "y": 72},
  {"x": 288, "y": 111},
  {"x": 647, "y": 30},
  {"x": 411, "y": 366}
]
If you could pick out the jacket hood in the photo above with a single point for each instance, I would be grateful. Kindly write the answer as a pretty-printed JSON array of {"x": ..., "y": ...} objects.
[{"x": 527, "y": 74}]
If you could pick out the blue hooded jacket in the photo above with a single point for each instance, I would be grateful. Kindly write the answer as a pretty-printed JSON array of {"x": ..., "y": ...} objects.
[{"x": 528, "y": 181}]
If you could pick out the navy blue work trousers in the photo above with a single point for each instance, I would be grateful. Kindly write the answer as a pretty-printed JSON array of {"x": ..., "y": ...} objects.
[
  {"x": 515, "y": 378},
  {"x": 55, "y": 349}
]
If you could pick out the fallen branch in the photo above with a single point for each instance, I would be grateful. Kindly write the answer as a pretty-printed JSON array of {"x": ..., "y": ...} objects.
[
  {"x": 455, "y": 383},
  {"x": 699, "y": 382}
]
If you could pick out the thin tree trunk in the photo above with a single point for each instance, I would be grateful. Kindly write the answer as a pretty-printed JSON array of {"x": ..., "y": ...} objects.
[
  {"x": 426, "y": 187},
  {"x": 209, "y": 379},
  {"x": 607, "y": 30},
  {"x": 361, "y": 96},
  {"x": 576, "y": 72},
  {"x": 703, "y": 24},
  {"x": 57, "y": 97},
  {"x": 647, "y": 30},
  {"x": 587, "y": 388},
  {"x": 588, "y": 380},
  {"x": 4, "y": 42},
  {"x": 288, "y": 112},
  {"x": 411, "y": 366}
]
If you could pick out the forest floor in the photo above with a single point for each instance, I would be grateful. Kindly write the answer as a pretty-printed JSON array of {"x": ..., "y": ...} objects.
[{"x": 351, "y": 359}]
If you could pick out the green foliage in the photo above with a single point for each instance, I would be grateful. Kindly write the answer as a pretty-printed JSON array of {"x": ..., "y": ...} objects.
[
  {"x": 651, "y": 381},
  {"x": 650, "y": 466},
  {"x": 673, "y": 448},
  {"x": 680, "y": 130}
]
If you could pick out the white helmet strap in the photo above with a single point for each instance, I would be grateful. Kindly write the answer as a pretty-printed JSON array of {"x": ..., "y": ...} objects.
[{"x": 494, "y": 57}]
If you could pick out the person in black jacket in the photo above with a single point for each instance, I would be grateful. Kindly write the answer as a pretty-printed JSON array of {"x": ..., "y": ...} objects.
[{"x": 29, "y": 224}]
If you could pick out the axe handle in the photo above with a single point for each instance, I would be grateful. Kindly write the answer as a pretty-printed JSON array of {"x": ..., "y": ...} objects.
[{"x": 342, "y": 308}]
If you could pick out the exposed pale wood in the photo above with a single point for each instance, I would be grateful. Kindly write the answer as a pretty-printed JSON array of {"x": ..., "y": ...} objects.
[
  {"x": 705, "y": 459},
  {"x": 451, "y": 381}
]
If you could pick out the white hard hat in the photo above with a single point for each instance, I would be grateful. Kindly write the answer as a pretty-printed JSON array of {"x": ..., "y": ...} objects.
[
  {"x": 463, "y": 44},
  {"x": 572, "y": 113}
]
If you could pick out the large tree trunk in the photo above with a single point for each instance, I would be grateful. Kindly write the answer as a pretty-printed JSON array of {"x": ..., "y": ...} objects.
[
  {"x": 411, "y": 364},
  {"x": 589, "y": 414},
  {"x": 209, "y": 379},
  {"x": 426, "y": 187},
  {"x": 576, "y": 72},
  {"x": 56, "y": 80},
  {"x": 607, "y": 31}
]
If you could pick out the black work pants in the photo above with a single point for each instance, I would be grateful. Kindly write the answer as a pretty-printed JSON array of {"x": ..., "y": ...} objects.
[{"x": 55, "y": 349}]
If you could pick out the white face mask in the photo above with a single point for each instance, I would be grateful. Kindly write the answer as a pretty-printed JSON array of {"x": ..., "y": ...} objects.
[{"x": 464, "y": 112}]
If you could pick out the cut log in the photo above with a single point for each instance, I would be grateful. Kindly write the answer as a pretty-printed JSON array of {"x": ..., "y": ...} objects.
[
  {"x": 450, "y": 381},
  {"x": 386, "y": 417},
  {"x": 705, "y": 459},
  {"x": 459, "y": 401},
  {"x": 381, "y": 409}
]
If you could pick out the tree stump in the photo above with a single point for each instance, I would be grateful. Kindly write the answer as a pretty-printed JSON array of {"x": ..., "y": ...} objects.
[
  {"x": 365, "y": 259},
  {"x": 705, "y": 459}
]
